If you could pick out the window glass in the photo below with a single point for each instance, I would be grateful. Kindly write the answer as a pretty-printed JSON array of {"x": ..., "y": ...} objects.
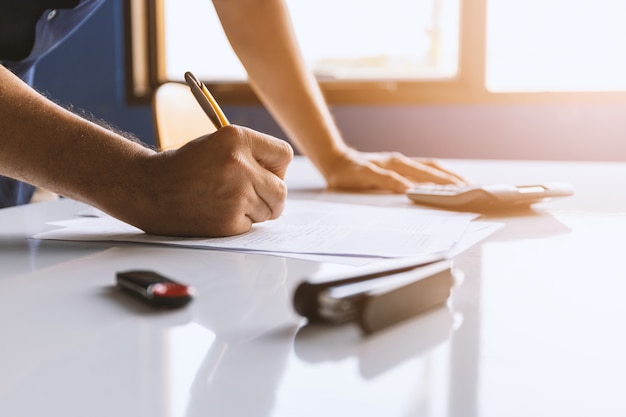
[
  {"x": 341, "y": 39},
  {"x": 556, "y": 45}
]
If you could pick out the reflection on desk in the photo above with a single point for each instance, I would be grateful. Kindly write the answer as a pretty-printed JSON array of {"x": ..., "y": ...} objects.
[{"x": 317, "y": 343}]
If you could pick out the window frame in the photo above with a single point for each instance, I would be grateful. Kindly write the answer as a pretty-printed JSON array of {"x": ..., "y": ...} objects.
[{"x": 145, "y": 70}]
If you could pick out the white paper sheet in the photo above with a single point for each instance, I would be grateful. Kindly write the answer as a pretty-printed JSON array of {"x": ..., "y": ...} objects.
[{"x": 306, "y": 227}]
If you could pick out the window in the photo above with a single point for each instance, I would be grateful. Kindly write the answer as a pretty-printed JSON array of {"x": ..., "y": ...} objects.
[
  {"x": 360, "y": 40},
  {"x": 402, "y": 51},
  {"x": 369, "y": 51},
  {"x": 556, "y": 45}
]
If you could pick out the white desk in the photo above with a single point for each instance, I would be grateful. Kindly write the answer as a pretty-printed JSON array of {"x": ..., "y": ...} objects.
[{"x": 536, "y": 329}]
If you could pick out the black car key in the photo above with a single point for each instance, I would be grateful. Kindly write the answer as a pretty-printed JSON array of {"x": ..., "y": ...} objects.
[{"x": 155, "y": 289}]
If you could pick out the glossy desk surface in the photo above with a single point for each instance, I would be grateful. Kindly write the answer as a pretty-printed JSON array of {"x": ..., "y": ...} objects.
[{"x": 535, "y": 329}]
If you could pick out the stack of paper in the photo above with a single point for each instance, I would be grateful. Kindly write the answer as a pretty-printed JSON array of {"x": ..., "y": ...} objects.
[{"x": 319, "y": 230}]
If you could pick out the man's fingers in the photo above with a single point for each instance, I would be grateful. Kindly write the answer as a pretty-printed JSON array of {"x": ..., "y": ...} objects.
[
  {"x": 272, "y": 193},
  {"x": 271, "y": 153},
  {"x": 435, "y": 164},
  {"x": 371, "y": 177},
  {"x": 419, "y": 171}
]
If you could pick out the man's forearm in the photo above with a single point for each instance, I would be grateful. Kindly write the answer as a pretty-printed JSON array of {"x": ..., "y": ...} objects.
[
  {"x": 261, "y": 35},
  {"x": 48, "y": 146}
]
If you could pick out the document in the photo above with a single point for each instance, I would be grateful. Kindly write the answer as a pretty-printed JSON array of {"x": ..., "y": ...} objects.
[{"x": 306, "y": 227}]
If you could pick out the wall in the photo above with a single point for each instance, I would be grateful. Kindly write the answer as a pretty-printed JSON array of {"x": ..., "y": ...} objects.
[
  {"x": 88, "y": 71},
  {"x": 559, "y": 132}
]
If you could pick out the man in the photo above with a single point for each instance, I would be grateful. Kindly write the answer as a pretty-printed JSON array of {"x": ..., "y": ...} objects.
[{"x": 217, "y": 185}]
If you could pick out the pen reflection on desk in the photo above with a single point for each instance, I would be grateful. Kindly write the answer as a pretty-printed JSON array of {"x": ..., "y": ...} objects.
[{"x": 206, "y": 100}]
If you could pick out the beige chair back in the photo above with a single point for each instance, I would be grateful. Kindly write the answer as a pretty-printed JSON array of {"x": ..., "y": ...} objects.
[{"x": 178, "y": 117}]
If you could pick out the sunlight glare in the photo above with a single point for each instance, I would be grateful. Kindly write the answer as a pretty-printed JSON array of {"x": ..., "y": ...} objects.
[{"x": 556, "y": 45}]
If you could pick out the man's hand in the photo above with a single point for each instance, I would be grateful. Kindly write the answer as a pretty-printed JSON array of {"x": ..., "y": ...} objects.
[
  {"x": 390, "y": 171},
  {"x": 216, "y": 185}
]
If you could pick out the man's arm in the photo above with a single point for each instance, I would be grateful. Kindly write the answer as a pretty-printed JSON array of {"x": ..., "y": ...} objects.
[
  {"x": 260, "y": 33},
  {"x": 216, "y": 185}
]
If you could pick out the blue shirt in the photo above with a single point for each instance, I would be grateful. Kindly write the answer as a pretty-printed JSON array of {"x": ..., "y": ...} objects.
[{"x": 29, "y": 29}]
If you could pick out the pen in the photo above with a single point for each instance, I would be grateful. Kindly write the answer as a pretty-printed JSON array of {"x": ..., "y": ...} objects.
[{"x": 206, "y": 100}]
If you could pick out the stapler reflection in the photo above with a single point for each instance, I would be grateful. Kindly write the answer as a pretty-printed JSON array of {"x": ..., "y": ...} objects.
[{"x": 382, "y": 351}]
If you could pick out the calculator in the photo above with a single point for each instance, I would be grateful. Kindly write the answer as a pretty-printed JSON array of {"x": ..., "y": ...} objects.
[{"x": 491, "y": 197}]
